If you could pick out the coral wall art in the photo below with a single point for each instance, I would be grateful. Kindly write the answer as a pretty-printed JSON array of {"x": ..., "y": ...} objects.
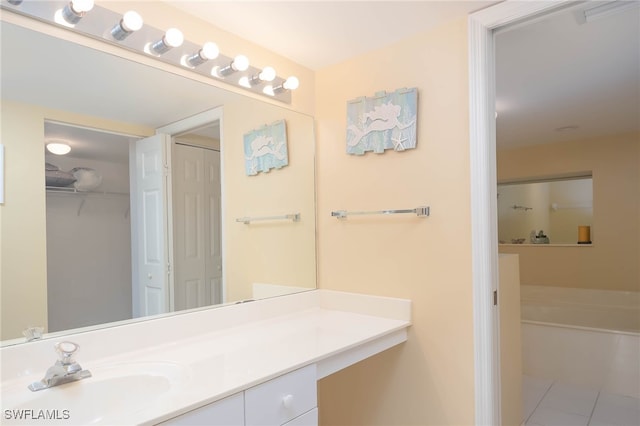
[
  {"x": 265, "y": 148},
  {"x": 384, "y": 121}
]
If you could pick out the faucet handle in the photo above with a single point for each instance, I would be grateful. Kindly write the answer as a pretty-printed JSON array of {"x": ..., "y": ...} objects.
[{"x": 65, "y": 351}]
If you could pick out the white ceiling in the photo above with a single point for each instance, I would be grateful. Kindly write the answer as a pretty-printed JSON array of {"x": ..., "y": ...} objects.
[
  {"x": 320, "y": 33},
  {"x": 561, "y": 78}
]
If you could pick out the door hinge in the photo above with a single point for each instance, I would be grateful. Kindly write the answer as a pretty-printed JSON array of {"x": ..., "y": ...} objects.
[
  {"x": 168, "y": 269},
  {"x": 167, "y": 171},
  {"x": 495, "y": 297}
]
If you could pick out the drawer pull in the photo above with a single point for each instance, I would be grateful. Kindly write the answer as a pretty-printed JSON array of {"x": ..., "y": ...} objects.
[{"x": 287, "y": 401}]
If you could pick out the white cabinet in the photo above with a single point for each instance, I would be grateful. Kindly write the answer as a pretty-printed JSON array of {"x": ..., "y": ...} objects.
[
  {"x": 226, "y": 412},
  {"x": 288, "y": 400},
  {"x": 282, "y": 399},
  {"x": 310, "y": 418}
]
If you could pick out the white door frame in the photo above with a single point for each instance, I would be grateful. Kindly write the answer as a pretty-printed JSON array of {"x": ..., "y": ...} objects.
[
  {"x": 182, "y": 126},
  {"x": 484, "y": 235}
]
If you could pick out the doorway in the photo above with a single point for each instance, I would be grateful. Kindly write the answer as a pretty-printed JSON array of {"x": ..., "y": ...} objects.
[
  {"x": 482, "y": 27},
  {"x": 484, "y": 232},
  {"x": 88, "y": 227}
]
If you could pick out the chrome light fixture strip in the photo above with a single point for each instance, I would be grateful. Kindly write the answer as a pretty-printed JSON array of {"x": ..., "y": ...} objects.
[{"x": 99, "y": 22}]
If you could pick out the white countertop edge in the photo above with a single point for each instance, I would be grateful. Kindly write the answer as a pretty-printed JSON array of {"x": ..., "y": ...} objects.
[{"x": 337, "y": 362}]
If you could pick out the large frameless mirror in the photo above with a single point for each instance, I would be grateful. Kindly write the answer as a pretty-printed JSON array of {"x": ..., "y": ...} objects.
[{"x": 68, "y": 247}]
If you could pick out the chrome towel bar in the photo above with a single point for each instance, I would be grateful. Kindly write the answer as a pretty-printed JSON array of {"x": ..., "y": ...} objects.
[
  {"x": 422, "y": 211},
  {"x": 247, "y": 220}
]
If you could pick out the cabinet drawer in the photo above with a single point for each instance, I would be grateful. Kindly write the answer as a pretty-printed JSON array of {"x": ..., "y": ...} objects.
[
  {"x": 282, "y": 399},
  {"x": 226, "y": 412},
  {"x": 310, "y": 418}
]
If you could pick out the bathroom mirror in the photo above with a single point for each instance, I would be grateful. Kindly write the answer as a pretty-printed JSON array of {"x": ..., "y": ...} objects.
[
  {"x": 553, "y": 211},
  {"x": 70, "y": 85}
]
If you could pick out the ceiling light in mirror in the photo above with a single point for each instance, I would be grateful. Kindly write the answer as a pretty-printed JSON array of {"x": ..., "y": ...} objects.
[
  {"x": 130, "y": 22},
  {"x": 208, "y": 52},
  {"x": 172, "y": 38},
  {"x": 58, "y": 148}
]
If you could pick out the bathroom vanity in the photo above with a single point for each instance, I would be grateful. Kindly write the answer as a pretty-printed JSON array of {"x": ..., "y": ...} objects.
[{"x": 253, "y": 363}]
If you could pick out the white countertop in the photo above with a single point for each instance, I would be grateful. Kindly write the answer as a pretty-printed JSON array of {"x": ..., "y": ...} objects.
[{"x": 331, "y": 329}]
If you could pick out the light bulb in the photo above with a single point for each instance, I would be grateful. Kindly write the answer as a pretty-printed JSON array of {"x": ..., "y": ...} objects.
[
  {"x": 173, "y": 37},
  {"x": 240, "y": 63},
  {"x": 208, "y": 51},
  {"x": 130, "y": 22},
  {"x": 267, "y": 74},
  {"x": 73, "y": 12},
  {"x": 58, "y": 148},
  {"x": 81, "y": 6},
  {"x": 292, "y": 83}
]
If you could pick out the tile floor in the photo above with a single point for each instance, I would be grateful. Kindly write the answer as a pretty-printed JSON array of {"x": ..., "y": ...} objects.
[{"x": 551, "y": 403}]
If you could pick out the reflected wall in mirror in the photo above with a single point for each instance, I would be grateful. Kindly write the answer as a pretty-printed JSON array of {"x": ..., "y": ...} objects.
[
  {"x": 547, "y": 212},
  {"x": 96, "y": 93}
]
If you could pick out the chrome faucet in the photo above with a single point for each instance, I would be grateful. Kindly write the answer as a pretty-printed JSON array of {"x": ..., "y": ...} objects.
[{"x": 65, "y": 370}]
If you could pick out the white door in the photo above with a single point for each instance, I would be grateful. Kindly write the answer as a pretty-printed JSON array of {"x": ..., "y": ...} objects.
[
  {"x": 196, "y": 190},
  {"x": 150, "y": 233}
]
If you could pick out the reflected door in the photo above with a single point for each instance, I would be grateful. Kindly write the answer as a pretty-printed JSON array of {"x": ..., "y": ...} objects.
[
  {"x": 196, "y": 190},
  {"x": 149, "y": 201}
]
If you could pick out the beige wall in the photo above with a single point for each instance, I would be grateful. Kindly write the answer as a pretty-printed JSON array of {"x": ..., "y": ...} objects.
[
  {"x": 510, "y": 340},
  {"x": 23, "y": 219},
  {"x": 611, "y": 263},
  {"x": 430, "y": 378},
  {"x": 280, "y": 252}
]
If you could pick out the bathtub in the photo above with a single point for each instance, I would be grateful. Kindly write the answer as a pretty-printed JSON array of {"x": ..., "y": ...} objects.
[
  {"x": 586, "y": 337},
  {"x": 617, "y": 311}
]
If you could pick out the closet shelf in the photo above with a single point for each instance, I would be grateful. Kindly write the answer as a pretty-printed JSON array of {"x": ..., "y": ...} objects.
[
  {"x": 73, "y": 191},
  {"x": 82, "y": 196}
]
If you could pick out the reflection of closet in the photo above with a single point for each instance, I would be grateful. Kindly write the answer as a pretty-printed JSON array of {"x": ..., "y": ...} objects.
[
  {"x": 88, "y": 247},
  {"x": 83, "y": 196},
  {"x": 196, "y": 227}
]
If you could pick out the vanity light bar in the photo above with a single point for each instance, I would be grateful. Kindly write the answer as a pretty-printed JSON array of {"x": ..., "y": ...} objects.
[{"x": 128, "y": 31}]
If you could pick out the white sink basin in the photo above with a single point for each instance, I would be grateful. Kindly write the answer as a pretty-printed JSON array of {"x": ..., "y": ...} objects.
[{"x": 105, "y": 398}]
